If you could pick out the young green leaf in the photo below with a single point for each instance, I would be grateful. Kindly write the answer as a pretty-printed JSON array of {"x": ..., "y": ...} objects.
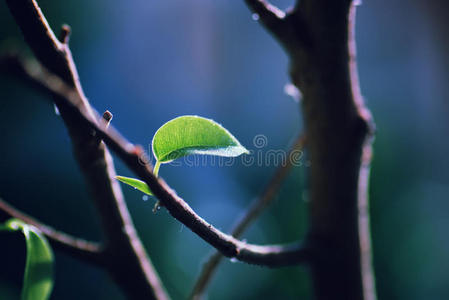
[
  {"x": 38, "y": 278},
  {"x": 136, "y": 183},
  {"x": 194, "y": 135}
]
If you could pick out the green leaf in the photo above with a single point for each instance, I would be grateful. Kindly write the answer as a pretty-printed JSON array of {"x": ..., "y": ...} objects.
[
  {"x": 194, "y": 135},
  {"x": 136, "y": 183},
  {"x": 4, "y": 228},
  {"x": 38, "y": 278}
]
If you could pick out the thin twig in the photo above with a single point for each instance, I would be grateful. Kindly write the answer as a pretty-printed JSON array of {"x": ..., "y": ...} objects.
[
  {"x": 250, "y": 216},
  {"x": 78, "y": 248},
  {"x": 131, "y": 155},
  {"x": 270, "y": 191}
]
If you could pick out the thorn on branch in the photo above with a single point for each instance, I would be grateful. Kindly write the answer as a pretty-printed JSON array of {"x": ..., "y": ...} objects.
[
  {"x": 64, "y": 35},
  {"x": 107, "y": 116}
]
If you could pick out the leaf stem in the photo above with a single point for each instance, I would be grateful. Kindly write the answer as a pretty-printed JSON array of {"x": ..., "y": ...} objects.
[
  {"x": 156, "y": 168},
  {"x": 156, "y": 173}
]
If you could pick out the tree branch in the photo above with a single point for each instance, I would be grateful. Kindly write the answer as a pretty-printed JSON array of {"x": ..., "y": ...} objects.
[
  {"x": 132, "y": 156},
  {"x": 270, "y": 191},
  {"x": 55, "y": 56},
  {"x": 319, "y": 39},
  {"x": 78, "y": 248},
  {"x": 124, "y": 253},
  {"x": 250, "y": 216}
]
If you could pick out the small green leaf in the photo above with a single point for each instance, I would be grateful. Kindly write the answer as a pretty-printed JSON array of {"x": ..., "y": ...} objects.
[
  {"x": 4, "y": 228},
  {"x": 194, "y": 135},
  {"x": 38, "y": 278},
  {"x": 136, "y": 183}
]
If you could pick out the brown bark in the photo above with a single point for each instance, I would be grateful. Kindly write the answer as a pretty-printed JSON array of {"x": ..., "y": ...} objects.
[
  {"x": 319, "y": 39},
  {"x": 338, "y": 127}
]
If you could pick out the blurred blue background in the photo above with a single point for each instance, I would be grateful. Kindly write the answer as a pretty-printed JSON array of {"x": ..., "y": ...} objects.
[{"x": 150, "y": 61}]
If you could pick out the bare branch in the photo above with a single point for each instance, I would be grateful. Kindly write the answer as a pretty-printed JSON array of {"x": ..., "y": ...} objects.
[
  {"x": 317, "y": 35},
  {"x": 41, "y": 39},
  {"x": 250, "y": 216},
  {"x": 319, "y": 39},
  {"x": 124, "y": 251},
  {"x": 78, "y": 248},
  {"x": 270, "y": 191},
  {"x": 271, "y": 255}
]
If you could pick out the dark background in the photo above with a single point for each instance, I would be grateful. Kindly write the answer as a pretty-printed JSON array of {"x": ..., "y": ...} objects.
[{"x": 150, "y": 61}]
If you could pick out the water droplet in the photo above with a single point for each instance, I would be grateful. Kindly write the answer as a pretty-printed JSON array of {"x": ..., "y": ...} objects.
[
  {"x": 182, "y": 227},
  {"x": 292, "y": 91},
  {"x": 56, "y": 110},
  {"x": 255, "y": 17},
  {"x": 156, "y": 206},
  {"x": 357, "y": 2},
  {"x": 135, "y": 188},
  {"x": 233, "y": 260},
  {"x": 145, "y": 197}
]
